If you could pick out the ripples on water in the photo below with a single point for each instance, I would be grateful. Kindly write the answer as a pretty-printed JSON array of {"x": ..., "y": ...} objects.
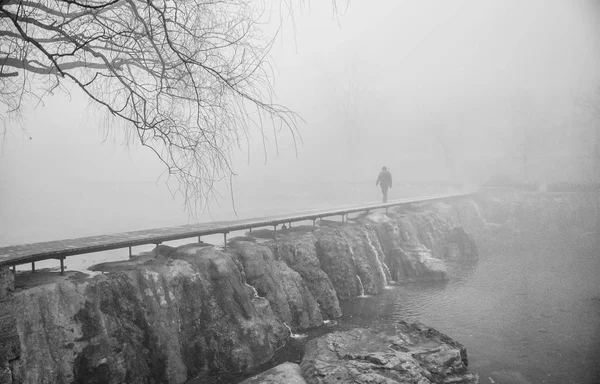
[{"x": 527, "y": 311}]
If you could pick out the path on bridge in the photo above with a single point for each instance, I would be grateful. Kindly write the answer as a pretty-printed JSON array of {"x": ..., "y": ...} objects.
[{"x": 60, "y": 249}]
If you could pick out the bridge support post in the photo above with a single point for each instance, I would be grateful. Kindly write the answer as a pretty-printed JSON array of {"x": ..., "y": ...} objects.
[
  {"x": 275, "y": 232},
  {"x": 14, "y": 269},
  {"x": 130, "y": 252},
  {"x": 156, "y": 249},
  {"x": 199, "y": 239},
  {"x": 314, "y": 223},
  {"x": 62, "y": 264},
  {"x": 224, "y": 240},
  {"x": 32, "y": 266}
]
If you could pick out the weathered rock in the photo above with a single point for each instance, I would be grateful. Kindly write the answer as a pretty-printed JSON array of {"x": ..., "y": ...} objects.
[
  {"x": 406, "y": 353},
  {"x": 46, "y": 332},
  {"x": 304, "y": 308},
  {"x": 288, "y": 373},
  {"x": 471, "y": 218},
  {"x": 158, "y": 255},
  {"x": 387, "y": 229},
  {"x": 290, "y": 298},
  {"x": 300, "y": 254},
  {"x": 406, "y": 257},
  {"x": 351, "y": 257},
  {"x": 415, "y": 264},
  {"x": 176, "y": 313},
  {"x": 10, "y": 348},
  {"x": 7, "y": 282},
  {"x": 433, "y": 226},
  {"x": 436, "y": 228},
  {"x": 336, "y": 257},
  {"x": 374, "y": 217},
  {"x": 368, "y": 257},
  {"x": 460, "y": 246},
  {"x": 5, "y": 374},
  {"x": 225, "y": 327},
  {"x": 158, "y": 323}
]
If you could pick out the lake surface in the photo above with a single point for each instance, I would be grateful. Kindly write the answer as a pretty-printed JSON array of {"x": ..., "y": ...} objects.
[{"x": 528, "y": 311}]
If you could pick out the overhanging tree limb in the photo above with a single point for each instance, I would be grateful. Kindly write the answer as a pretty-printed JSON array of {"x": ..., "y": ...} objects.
[{"x": 180, "y": 74}]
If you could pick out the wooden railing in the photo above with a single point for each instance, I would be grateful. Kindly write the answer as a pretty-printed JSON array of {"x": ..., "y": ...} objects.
[{"x": 60, "y": 249}]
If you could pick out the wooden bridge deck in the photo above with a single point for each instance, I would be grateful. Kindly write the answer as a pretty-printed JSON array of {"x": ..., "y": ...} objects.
[{"x": 60, "y": 249}]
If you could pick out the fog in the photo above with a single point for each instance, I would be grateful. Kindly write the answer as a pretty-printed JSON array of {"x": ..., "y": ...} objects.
[{"x": 440, "y": 91}]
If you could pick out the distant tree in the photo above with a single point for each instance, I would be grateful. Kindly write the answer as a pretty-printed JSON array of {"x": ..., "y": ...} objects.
[
  {"x": 449, "y": 157},
  {"x": 592, "y": 105},
  {"x": 350, "y": 91},
  {"x": 532, "y": 132},
  {"x": 188, "y": 78}
]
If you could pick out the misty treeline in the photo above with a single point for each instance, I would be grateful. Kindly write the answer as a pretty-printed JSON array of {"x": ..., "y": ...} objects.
[
  {"x": 188, "y": 79},
  {"x": 539, "y": 133},
  {"x": 531, "y": 138}
]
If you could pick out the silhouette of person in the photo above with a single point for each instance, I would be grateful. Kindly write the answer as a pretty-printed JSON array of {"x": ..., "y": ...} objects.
[{"x": 385, "y": 180}]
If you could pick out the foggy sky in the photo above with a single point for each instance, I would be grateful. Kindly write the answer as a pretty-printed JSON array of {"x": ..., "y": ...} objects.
[
  {"x": 471, "y": 73},
  {"x": 435, "y": 90}
]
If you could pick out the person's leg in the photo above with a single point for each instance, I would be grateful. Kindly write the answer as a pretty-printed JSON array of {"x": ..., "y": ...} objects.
[{"x": 384, "y": 190}]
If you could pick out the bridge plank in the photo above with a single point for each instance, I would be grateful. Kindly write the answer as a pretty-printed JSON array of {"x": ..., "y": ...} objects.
[{"x": 25, "y": 253}]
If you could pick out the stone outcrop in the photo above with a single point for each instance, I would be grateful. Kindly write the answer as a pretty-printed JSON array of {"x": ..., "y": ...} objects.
[
  {"x": 288, "y": 373},
  {"x": 7, "y": 282},
  {"x": 337, "y": 260},
  {"x": 10, "y": 346},
  {"x": 471, "y": 218},
  {"x": 406, "y": 353},
  {"x": 273, "y": 279},
  {"x": 459, "y": 245},
  {"x": 300, "y": 254},
  {"x": 416, "y": 263},
  {"x": 416, "y": 243},
  {"x": 175, "y": 313},
  {"x": 368, "y": 256},
  {"x": 162, "y": 323}
]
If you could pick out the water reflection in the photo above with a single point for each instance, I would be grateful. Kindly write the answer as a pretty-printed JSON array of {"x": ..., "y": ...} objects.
[{"x": 528, "y": 311}]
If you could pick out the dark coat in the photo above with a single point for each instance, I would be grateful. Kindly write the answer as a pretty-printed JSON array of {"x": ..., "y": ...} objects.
[{"x": 385, "y": 178}]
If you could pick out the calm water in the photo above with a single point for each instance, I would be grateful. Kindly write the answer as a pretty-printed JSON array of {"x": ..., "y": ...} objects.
[{"x": 528, "y": 311}]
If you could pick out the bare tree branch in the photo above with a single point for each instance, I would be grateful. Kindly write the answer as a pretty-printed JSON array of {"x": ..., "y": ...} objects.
[{"x": 181, "y": 74}]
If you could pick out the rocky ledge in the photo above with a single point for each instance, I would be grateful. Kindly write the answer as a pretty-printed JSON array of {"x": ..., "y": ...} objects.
[
  {"x": 406, "y": 353},
  {"x": 176, "y": 313}
]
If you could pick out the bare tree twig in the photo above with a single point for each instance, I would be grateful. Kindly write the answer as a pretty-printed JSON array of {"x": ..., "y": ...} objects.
[{"x": 180, "y": 74}]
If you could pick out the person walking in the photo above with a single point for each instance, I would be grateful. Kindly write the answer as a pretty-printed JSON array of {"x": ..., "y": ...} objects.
[{"x": 385, "y": 180}]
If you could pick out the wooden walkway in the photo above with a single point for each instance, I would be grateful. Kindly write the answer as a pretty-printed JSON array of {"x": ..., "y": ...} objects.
[{"x": 60, "y": 249}]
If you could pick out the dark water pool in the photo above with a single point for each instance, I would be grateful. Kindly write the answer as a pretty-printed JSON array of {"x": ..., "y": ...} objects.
[{"x": 528, "y": 311}]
